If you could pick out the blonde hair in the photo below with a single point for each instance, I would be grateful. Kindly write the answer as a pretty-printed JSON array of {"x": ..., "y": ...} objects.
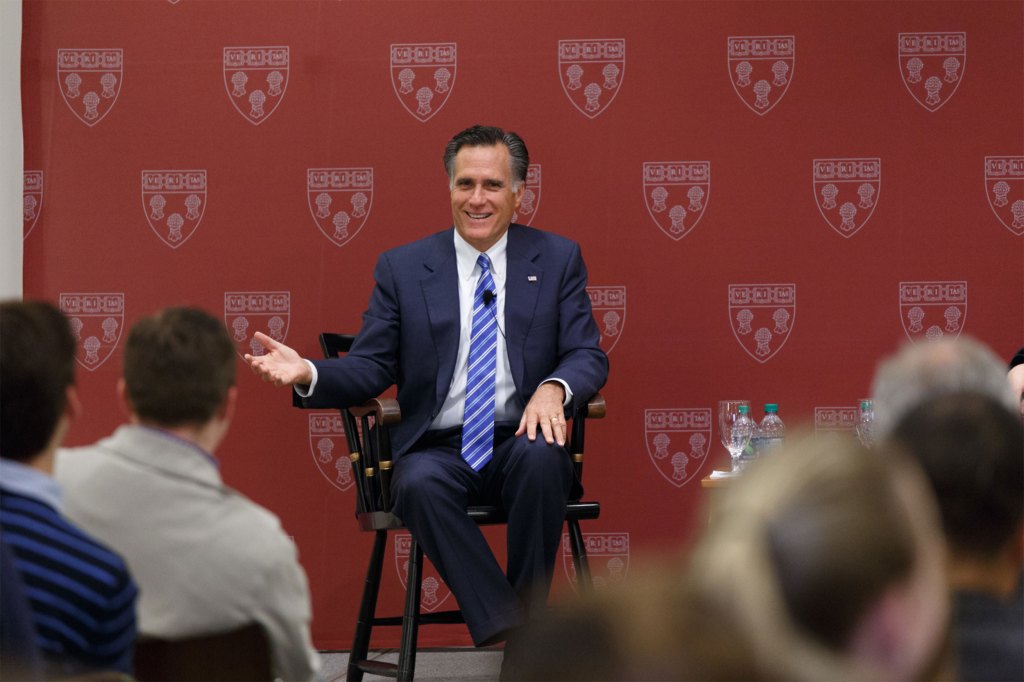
[{"x": 803, "y": 544}]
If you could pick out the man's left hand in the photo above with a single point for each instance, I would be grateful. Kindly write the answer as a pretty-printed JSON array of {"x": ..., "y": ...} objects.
[{"x": 545, "y": 409}]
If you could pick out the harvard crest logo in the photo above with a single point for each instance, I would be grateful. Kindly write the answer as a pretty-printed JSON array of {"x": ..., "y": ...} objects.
[
  {"x": 609, "y": 307},
  {"x": 678, "y": 441},
  {"x": 932, "y": 66},
  {"x": 846, "y": 192},
  {"x": 31, "y": 200},
  {"x": 762, "y": 317},
  {"x": 339, "y": 200},
  {"x": 435, "y": 591},
  {"x": 90, "y": 81},
  {"x": 329, "y": 448},
  {"x": 174, "y": 203},
  {"x": 248, "y": 312},
  {"x": 96, "y": 321},
  {"x": 423, "y": 76},
  {"x": 931, "y": 310},
  {"x": 530, "y": 204},
  {"x": 256, "y": 79},
  {"x": 607, "y": 558},
  {"x": 835, "y": 420},
  {"x": 761, "y": 69},
  {"x": 1004, "y": 187},
  {"x": 676, "y": 194},
  {"x": 591, "y": 72}
]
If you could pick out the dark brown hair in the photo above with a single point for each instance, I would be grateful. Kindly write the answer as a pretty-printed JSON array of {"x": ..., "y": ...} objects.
[
  {"x": 178, "y": 366},
  {"x": 37, "y": 364},
  {"x": 972, "y": 451},
  {"x": 489, "y": 136}
]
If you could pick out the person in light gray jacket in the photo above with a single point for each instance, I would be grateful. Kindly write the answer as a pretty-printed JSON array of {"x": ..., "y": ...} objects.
[{"x": 206, "y": 558}]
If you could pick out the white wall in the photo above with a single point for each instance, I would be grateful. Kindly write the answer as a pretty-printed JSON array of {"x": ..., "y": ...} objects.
[{"x": 11, "y": 157}]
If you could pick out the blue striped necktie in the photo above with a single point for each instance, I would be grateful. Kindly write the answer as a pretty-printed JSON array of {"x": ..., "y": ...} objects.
[{"x": 478, "y": 419}]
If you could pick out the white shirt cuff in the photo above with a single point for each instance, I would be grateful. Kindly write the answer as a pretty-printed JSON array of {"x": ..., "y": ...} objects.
[
  {"x": 308, "y": 391},
  {"x": 568, "y": 391}
]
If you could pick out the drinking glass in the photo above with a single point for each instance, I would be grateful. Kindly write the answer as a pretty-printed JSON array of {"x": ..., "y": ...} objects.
[
  {"x": 865, "y": 420},
  {"x": 735, "y": 433}
]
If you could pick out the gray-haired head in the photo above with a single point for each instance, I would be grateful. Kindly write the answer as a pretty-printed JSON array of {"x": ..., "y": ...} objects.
[
  {"x": 488, "y": 136},
  {"x": 918, "y": 372}
]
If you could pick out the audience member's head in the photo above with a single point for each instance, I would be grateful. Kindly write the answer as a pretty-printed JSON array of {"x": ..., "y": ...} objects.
[
  {"x": 825, "y": 560},
  {"x": 971, "y": 448},
  {"x": 179, "y": 368},
  {"x": 925, "y": 369},
  {"x": 37, "y": 375},
  {"x": 643, "y": 629}
]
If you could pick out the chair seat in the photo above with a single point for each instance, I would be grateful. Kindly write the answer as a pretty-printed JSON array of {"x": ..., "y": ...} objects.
[{"x": 484, "y": 515}]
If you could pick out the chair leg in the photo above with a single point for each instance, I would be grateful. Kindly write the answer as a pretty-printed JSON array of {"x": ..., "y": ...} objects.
[
  {"x": 368, "y": 607},
  {"x": 411, "y": 617},
  {"x": 579, "y": 556}
]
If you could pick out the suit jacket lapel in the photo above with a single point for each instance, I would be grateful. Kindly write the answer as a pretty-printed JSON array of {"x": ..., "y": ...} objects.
[
  {"x": 522, "y": 287},
  {"x": 441, "y": 294}
]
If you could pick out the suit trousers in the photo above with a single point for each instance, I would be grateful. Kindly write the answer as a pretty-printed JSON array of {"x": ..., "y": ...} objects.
[{"x": 530, "y": 481}]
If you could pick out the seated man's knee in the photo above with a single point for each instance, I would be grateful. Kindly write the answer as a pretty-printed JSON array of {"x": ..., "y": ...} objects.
[{"x": 540, "y": 459}]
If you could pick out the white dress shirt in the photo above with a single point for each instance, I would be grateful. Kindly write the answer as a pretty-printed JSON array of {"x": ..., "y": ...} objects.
[{"x": 505, "y": 404}]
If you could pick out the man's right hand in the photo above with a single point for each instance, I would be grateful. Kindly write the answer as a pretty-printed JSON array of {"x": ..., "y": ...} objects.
[{"x": 280, "y": 365}]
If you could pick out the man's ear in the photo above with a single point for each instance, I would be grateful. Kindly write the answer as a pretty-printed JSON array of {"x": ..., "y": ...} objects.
[
  {"x": 226, "y": 411},
  {"x": 122, "y": 398},
  {"x": 73, "y": 406}
]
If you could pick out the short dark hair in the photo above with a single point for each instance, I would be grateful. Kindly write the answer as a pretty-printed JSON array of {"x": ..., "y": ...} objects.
[
  {"x": 488, "y": 136},
  {"x": 37, "y": 364},
  {"x": 178, "y": 366},
  {"x": 972, "y": 450}
]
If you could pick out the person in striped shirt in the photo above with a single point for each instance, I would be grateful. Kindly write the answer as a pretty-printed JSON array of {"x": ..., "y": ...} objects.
[{"x": 80, "y": 595}]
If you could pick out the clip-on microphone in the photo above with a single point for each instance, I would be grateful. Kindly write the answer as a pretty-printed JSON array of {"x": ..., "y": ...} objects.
[{"x": 490, "y": 297}]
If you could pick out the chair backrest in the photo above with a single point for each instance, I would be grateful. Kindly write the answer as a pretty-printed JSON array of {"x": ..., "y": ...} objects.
[
  {"x": 367, "y": 437},
  {"x": 334, "y": 345},
  {"x": 242, "y": 654}
]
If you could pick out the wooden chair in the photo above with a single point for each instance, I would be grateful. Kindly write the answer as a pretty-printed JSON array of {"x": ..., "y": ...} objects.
[
  {"x": 242, "y": 655},
  {"x": 366, "y": 434}
]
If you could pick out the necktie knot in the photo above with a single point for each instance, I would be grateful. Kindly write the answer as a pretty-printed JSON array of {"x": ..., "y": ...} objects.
[{"x": 484, "y": 262}]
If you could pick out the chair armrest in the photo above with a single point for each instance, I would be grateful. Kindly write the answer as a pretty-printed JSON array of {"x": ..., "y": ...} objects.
[
  {"x": 384, "y": 410},
  {"x": 596, "y": 407}
]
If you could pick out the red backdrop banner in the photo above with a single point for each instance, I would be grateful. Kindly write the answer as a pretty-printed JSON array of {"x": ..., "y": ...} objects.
[{"x": 769, "y": 196}]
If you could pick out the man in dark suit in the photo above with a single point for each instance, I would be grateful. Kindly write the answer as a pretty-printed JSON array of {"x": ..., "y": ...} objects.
[{"x": 487, "y": 330}]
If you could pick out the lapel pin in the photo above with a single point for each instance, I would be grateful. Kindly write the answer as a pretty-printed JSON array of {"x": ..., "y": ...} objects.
[{"x": 531, "y": 278}]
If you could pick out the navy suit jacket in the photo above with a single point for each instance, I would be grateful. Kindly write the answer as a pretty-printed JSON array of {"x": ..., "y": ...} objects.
[{"x": 410, "y": 332}]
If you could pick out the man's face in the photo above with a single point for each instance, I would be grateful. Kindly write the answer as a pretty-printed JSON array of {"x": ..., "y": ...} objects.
[{"x": 482, "y": 197}]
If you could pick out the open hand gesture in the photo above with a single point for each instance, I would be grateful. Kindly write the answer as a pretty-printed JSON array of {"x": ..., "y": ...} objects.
[{"x": 280, "y": 365}]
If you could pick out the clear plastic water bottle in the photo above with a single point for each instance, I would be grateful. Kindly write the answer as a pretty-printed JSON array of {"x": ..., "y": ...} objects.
[
  {"x": 771, "y": 432},
  {"x": 740, "y": 435},
  {"x": 756, "y": 448},
  {"x": 865, "y": 420}
]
